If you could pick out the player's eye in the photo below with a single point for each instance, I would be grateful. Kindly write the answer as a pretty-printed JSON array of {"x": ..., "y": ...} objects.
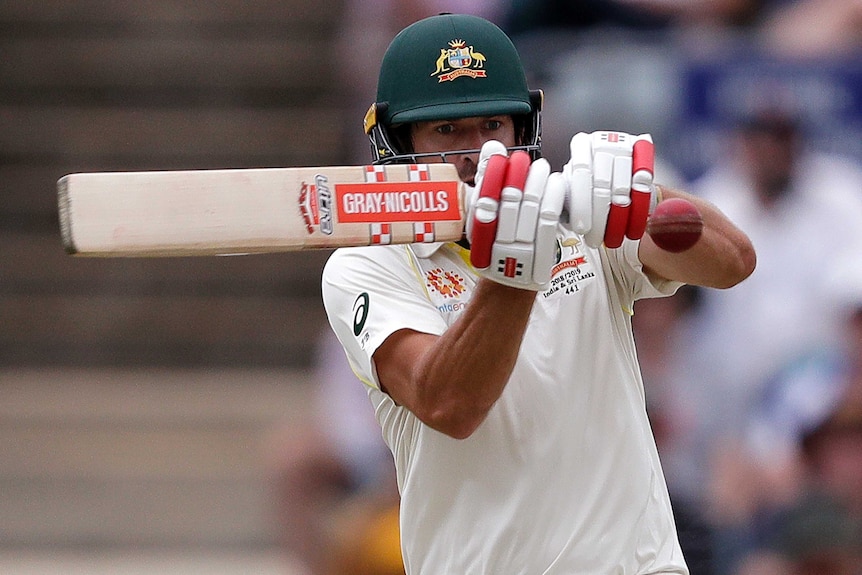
[
  {"x": 445, "y": 129},
  {"x": 493, "y": 125}
]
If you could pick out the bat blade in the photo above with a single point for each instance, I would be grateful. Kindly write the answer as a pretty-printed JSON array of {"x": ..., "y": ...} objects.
[{"x": 207, "y": 212}]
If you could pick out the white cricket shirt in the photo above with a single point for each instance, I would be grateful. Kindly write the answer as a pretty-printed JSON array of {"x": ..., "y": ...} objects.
[{"x": 563, "y": 476}]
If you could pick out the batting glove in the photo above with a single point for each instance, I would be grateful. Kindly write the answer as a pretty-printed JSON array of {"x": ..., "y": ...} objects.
[
  {"x": 611, "y": 191},
  {"x": 513, "y": 215}
]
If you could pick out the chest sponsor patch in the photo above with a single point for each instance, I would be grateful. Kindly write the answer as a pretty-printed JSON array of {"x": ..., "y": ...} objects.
[
  {"x": 447, "y": 288},
  {"x": 571, "y": 271}
]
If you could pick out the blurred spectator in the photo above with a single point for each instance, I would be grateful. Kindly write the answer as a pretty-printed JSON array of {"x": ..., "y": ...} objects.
[
  {"x": 814, "y": 29},
  {"x": 821, "y": 537},
  {"x": 801, "y": 210},
  {"x": 833, "y": 450},
  {"x": 805, "y": 444},
  {"x": 820, "y": 533},
  {"x": 765, "y": 563},
  {"x": 660, "y": 327},
  {"x": 605, "y": 83},
  {"x": 335, "y": 477},
  {"x": 613, "y": 64}
]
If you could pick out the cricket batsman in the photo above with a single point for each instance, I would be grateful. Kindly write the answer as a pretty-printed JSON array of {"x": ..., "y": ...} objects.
[{"x": 502, "y": 368}]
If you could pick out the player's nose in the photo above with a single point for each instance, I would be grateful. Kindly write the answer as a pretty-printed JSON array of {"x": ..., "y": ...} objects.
[
  {"x": 478, "y": 139},
  {"x": 472, "y": 140}
]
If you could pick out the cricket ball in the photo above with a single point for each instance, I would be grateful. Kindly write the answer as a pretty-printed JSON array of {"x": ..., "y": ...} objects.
[{"x": 675, "y": 225}]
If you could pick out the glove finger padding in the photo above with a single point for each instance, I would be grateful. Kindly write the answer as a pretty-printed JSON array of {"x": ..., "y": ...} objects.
[
  {"x": 546, "y": 230},
  {"x": 523, "y": 249},
  {"x": 485, "y": 218},
  {"x": 579, "y": 173},
  {"x": 610, "y": 184},
  {"x": 489, "y": 149},
  {"x": 643, "y": 188},
  {"x": 512, "y": 196},
  {"x": 531, "y": 203}
]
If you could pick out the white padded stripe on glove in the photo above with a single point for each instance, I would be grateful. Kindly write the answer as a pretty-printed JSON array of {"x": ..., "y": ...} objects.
[
  {"x": 611, "y": 191},
  {"x": 512, "y": 218}
]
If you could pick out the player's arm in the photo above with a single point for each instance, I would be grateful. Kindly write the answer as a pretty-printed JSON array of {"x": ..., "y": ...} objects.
[
  {"x": 721, "y": 258},
  {"x": 612, "y": 194},
  {"x": 450, "y": 382}
]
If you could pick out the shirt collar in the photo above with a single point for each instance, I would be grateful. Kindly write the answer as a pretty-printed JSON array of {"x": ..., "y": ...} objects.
[{"x": 424, "y": 250}]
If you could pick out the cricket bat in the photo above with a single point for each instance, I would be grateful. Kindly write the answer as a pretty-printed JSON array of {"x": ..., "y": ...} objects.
[{"x": 241, "y": 211}]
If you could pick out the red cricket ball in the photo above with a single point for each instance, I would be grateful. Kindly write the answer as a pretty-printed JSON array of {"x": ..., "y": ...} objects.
[{"x": 675, "y": 225}]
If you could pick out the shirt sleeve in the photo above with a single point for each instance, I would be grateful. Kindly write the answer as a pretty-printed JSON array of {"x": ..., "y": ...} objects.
[
  {"x": 368, "y": 295},
  {"x": 631, "y": 281}
]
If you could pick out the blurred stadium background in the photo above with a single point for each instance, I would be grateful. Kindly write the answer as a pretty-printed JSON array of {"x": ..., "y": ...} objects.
[{"x": 138, "y": 398}]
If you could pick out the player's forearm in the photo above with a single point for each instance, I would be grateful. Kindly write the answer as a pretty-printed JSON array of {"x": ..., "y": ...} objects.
[
  {"x": 722, "y": 257},
  {"x": 457, "y": 380},
  {"x": 462, "y": 377}
]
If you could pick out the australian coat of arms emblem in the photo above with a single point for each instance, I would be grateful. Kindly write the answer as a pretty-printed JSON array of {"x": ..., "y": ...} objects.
[{"x": 459, "y": 60}]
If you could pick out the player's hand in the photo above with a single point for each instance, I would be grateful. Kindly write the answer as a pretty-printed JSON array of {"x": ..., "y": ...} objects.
[
  {"x": 611, "y": 191},
  {"x": 512, "y": 218}
]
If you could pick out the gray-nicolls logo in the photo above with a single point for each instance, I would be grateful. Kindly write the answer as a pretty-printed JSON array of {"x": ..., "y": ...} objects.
[{"x": 324, "y": 203}]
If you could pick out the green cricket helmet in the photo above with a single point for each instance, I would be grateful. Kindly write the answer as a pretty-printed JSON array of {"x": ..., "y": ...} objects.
[{"x": 447, "y": 67}]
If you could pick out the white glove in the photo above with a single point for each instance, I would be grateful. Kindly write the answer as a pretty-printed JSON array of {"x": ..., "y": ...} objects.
[
  {"x": 512, "y": 218},
  {"x": 611, "y": 191}
]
